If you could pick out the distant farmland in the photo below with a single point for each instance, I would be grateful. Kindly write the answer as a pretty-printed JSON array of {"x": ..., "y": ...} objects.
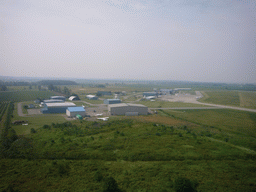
[{"x": 17, "y": 96}]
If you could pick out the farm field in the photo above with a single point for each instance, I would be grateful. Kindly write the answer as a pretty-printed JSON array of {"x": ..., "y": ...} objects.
[
  {"x": 232, "y": 98},
  {"x": 17, "y": 96}
]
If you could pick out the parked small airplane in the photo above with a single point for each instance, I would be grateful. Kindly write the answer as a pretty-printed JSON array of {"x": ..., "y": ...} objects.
[
  {"x": 103, "y": 118},
  {"x": 100, "y": 114}
]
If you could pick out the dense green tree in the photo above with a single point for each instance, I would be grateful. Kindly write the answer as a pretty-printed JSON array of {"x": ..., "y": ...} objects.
[
  {"x": 110, "y": 185},
  {"x": 66, "y": 91},
  {"x": 3, "y": 88},
  {"x": 51, "y": 87},
  {"x": 184, "y": 185}
]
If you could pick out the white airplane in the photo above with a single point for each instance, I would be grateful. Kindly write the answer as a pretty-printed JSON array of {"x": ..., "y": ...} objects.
[
  {"x": 103, "y": 119},
  {"x": 100, "y": 114}
]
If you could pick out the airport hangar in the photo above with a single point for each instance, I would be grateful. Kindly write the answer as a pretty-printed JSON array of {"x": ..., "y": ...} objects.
[
  {"x": 58, "y": 98},
  {"x": 147, "y": 94},
  {"x": 92, "y": 97},
  {"x": 127, "y": 109},
  {"x": 111, "y": 101},
  {"x": 74, "y": 111},
  {"x": 56, "y": 107}
]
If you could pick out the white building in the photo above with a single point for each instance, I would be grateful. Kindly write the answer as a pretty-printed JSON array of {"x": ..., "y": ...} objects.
[
  {"x": 91, "y": 97},
  {"x": 73, "y": 98},
  {"x": 127, "y": 109}
]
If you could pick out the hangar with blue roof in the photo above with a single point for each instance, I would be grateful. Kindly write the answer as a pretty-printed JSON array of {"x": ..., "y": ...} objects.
[{"x": 74, "y": 111}]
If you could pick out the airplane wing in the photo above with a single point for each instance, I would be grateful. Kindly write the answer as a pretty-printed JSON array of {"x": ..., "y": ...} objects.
[{"x": 103, "y": 119}]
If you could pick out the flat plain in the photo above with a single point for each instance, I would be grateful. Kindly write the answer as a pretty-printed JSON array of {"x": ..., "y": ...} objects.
[{"x": 214, "y": 149}]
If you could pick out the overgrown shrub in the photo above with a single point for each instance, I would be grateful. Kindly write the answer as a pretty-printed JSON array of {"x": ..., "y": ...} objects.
[
  {"x": 47, "y": 127},
  {"x": 182, "y": 184},
  {"x": 98, "y": 176},
  {"x": 110, "y": 185},
  {"x": 60, "y": 167},
  {"x": 32, "y": 130}
]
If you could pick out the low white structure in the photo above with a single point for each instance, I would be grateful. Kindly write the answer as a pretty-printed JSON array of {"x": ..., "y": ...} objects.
[
  {"x": 73, "y": 98},
  {"x": 150, "y": 97},
  {"x": 127, "y": 109},
  {"x": 74, "y": 111},
  {"x": 91, "y": 97}
]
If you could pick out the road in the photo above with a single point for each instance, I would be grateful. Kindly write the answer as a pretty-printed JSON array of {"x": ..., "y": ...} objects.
[
  {"x": 19, "y": 110},
  {"x": 189, "y": 108}
]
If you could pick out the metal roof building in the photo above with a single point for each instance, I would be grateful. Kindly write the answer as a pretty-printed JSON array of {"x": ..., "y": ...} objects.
[
  {"x": 73, "y": 98},
  {"x": 166, "y": 91},
  {"x": 104, "y": 93},
  {"x": 58, "y": 97},
  {"x": 56, "y": 107},
  {"x": 91, "y": 97},
  {"x": 146, "y": 94},
  {"x": 52, "y": 101},
  {"x": 127, "y": 109},
  {"x": 74, "y": 111},
  {"x": 112, "y": 101}
]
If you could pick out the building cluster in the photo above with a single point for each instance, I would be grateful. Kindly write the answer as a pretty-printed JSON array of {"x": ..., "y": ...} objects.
[
  {"x": 58, "y": 104},
  {"x": 156, "y": 92}
]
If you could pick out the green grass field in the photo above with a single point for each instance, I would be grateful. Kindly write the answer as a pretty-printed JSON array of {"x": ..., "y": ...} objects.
[
  {"x": 237, "y": 126},
  {"x": 248, "y": 99},
  {"x": 166, "y": 104},
  {"x": 17, "y": 96},
  {"x": 233, "y": 98}
]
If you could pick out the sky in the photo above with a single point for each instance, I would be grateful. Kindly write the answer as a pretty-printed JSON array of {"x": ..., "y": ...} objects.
[{"x": 185, "y": 40}]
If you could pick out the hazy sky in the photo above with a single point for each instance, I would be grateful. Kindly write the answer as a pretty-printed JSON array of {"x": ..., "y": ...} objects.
[{"x": 190, "y": 40}]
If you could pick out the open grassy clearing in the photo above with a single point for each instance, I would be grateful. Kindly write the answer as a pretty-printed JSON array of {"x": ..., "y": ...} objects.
[
  {"x": 238, "y": 127},
  {"x": 222, "y": 97},
  {"x": 166, "y": 104},
  {"x": 232, "y": 98},
  {"x": 248, "y": 99}
]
